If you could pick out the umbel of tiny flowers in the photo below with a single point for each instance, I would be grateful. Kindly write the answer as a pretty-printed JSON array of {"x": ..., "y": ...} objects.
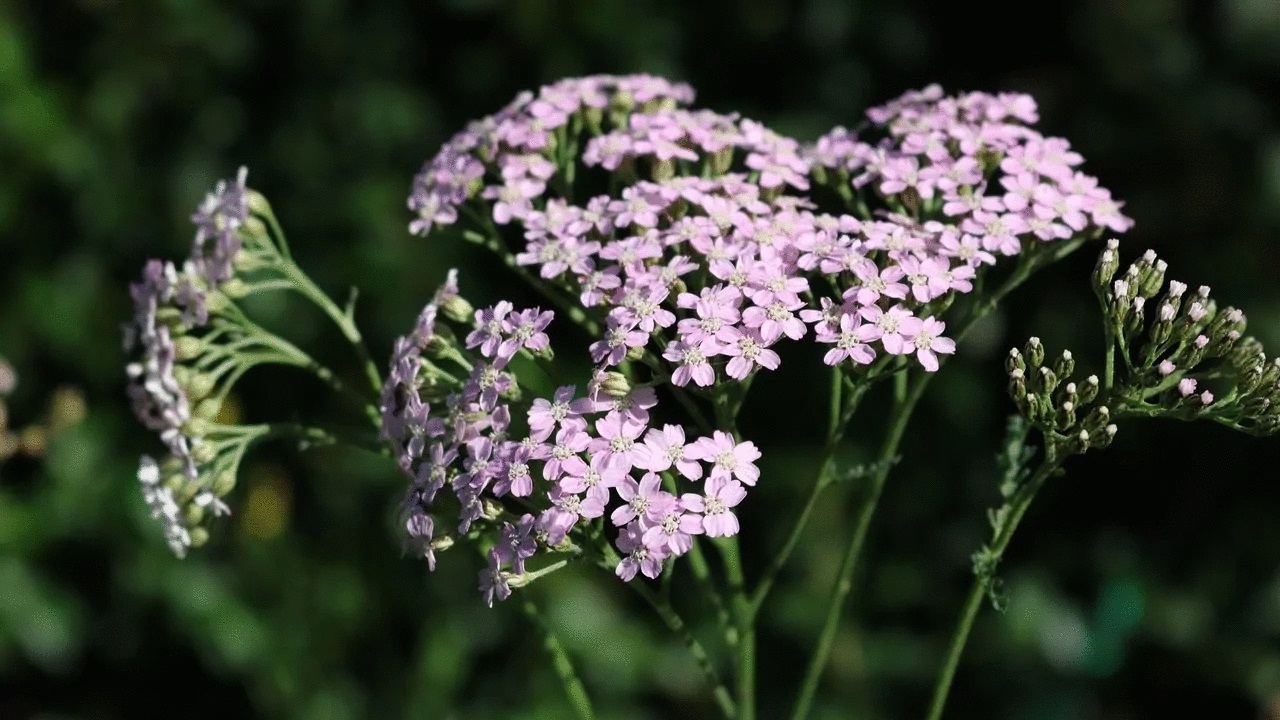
[
  {"x": 191, "y": 342},
  {"x": 533, "y": 481},
  {"x": 694, "y": 241}
]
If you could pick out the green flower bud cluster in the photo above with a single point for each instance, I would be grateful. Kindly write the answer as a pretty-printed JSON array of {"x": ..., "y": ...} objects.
[
  {"x": 1175, "y": 352},
  {"x": 1067, "y": 412}
]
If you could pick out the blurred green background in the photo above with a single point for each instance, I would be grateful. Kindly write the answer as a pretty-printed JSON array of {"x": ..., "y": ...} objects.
[{"x": 1146, "y": 583}]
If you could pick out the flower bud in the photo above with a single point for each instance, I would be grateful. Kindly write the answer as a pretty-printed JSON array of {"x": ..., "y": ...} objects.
[
  {"x": 203, "y": 453},
  {"x": 1108, "y": 262},
  {"x": 1066, "y": 365},
  {"x": 1066, "y": 415},
  {"x": 1048, "y": 382},
  {"x": 199, "y": 536},
  {"x": 1271, "y": 373},
  {"x": 440, "y": 543},
  {"x": 245, "y": 262},
  {"x": 1103, "y": 439},
  {"x": 1078, "y": 443},
  {"x": 187, "y": 347},
  {"x": 615, "y": 384},
  {"x": 223, "y": 483},
  {"x": 194, "y": 513},
  {"x": 662, "y": 170},
  {"x": 235, "y": 288},
  {"x": 456, "y": 308},
  {"x": 171, "y": 317},
  {"x": 1089, "y": 390},
  {"x": 1256, "y": 407},
  {"x": 490, "y": 508},
  {"x": 1034, "y": 352},
  {"x": 1014, "y": 362},
  {"x": 1032, "y": 403},
  {"x": 1096, "y": 420},
  {"x": 207, "y": 409},
  {"x": 216, "y": 302},
  {"x": 199, "y": 385},
  {"x": 1135, "y": 318},
  {"x": 1153, "y": 279}
]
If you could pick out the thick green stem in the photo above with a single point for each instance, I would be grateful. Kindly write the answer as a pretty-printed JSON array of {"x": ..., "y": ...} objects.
[
  {"x": 743, "y": 613},
  {"x": 573, "y": 687},
  {"x": 982, "y": 582}
]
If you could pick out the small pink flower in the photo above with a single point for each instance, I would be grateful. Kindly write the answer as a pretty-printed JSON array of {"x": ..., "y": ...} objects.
[
  {"x": 716, "y": 506},
  {"x": 728, "y": 459}
]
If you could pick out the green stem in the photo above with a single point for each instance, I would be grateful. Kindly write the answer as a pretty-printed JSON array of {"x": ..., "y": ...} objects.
[
  {"x": 346, "y": 324},
  {"x": 841, "y": 411},
  {"x": 981, "y": 584},
  {"x": 573, "y": 687},
  {"x": 905, "y": 402},
  {"x": 743, "y": 613},
  {"x": 676, "y": 624}
]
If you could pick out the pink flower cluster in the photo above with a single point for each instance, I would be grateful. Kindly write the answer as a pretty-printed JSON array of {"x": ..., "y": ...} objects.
[
  {"x": 582, "y": 458},
  {"x": 516, "y": 145},
  {"x": 975, "y": 158},
  {"x": 700, "y": 241},
  {"x": 724, "y": 252}
]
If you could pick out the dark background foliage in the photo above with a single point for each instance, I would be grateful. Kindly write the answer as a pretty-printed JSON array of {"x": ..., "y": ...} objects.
[{"x": 1146, "y": 582}]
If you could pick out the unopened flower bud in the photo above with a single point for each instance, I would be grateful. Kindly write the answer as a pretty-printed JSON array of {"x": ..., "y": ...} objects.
[
  {"x": 199, "y": 537},
  {"x": 663, "y": 169},
  {"x": 188, "y": 347},
  {"x": 1014, "y": 362},
  {"x": 245, "y": 262},
  {"x": 194, "y": 513},
  {"x": 1048, "y": 381},
  {"x": 207, "y": 409},
  {"x": 456, "y": 308},
  {"x": 1079, "y": 442},
  {"x": 490, "y": 508},
  {"x": 1103, "y": 439},
  {"x": 1153, "y": 279},
  {"x": 1066, "y": 365},
  {"x": 1097, "y": 419},
  {"x": 1017, "y": 386},
  {"x": 203, "y": 453},
  {"x": 1034, "y": 352},
  {"x": 1066, "y": 416},
  {"x": 199, "y": 385},
  {"x": 1108, "y": 262},
  {"x": 1032, "y": 404},
  {"x": 1271, "y": 373},
  {"x": 1089, "y": 390},
  {"x": 440, "y": 543},
  {"x": 721, "y": 161},
  {"x": 235, "y": 288},
  {"x": 615, "y": 384},
  {"x": 223, "y": 483},
  {"x": 1135, "y": 317}
]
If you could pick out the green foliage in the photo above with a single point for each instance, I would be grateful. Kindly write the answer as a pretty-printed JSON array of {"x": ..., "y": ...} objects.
[{"x": 1136, "y": 588}]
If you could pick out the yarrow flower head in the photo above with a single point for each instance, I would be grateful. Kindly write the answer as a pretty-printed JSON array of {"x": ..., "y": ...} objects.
[
  {"x": 190, "y": 343},
  {"x": 529, "y": 475}
]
